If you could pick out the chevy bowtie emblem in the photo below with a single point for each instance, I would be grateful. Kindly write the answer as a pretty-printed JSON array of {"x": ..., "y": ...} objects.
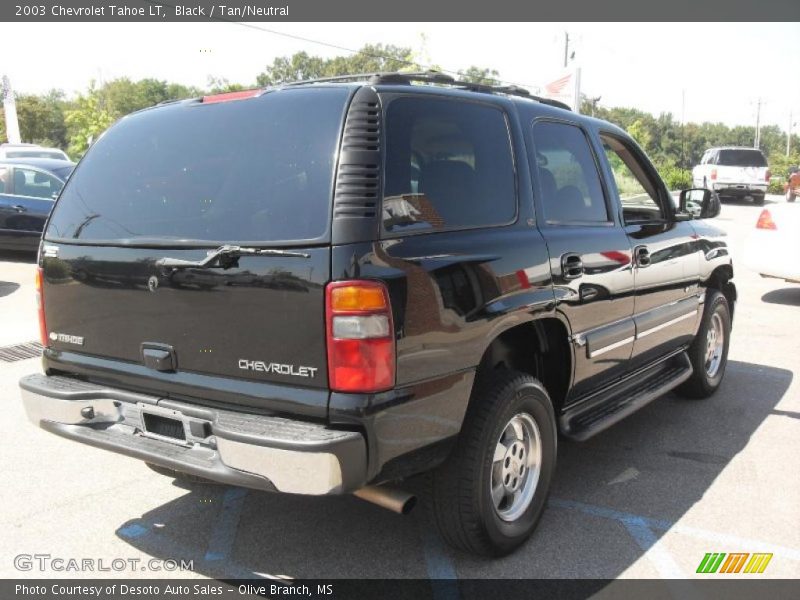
[{"x": 152, "y": 283}]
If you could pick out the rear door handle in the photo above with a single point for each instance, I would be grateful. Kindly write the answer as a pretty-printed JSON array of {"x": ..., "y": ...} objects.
[
  {"x": 642, "y": 255},
  {"x": 19, "y": 208},
  {"x": 571, "y": 265}
]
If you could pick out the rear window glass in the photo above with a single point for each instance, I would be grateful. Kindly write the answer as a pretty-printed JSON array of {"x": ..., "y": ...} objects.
[
  {"x": 741, "y": 158},
  {"x": 254, "y": 170},
  {"x": 36, "y": 154},
  {"x": 448, "y": 166}
]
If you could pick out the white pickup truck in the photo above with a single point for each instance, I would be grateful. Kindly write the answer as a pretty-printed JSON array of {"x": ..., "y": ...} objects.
[{"x": 733, "y": 172}]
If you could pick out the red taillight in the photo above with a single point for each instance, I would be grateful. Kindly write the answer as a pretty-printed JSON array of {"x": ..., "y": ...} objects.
[
  {"x": 360, "y": 335},
  {"x": 228, "y": 96},
  {"x": 40, "y": 306},
  {"x": 713, "y": 174},
  {"x": 765, "y": 221},
  {"x": 767, "y": 176}
]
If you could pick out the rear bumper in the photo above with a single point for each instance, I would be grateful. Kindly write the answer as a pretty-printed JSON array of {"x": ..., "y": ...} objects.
[
  {"x": 256, "y": 451},
  {"x": 740, "y": 189}
]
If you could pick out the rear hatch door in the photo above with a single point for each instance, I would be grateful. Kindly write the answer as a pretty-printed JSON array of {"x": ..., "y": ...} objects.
[
  {"x": 163, "y": 189},
  {"x": 741, "y": 165}
]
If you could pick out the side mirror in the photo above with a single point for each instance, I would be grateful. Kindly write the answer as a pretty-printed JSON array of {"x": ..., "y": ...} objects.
[{"x": 701, "y": 203}]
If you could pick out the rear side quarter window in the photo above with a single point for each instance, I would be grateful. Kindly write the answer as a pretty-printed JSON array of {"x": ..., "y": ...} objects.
[{"x": 449, "y": 165}]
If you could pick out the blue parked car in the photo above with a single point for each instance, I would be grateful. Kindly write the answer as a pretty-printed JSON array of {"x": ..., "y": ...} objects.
[{"x": 28, "y": 188}]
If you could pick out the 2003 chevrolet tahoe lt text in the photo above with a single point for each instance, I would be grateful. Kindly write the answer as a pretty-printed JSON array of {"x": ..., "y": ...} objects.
[{"x": 324, "y": 287}]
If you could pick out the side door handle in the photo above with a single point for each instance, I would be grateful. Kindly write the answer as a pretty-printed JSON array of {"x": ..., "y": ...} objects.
[
  {"x": 19, "y": 208},
  {"x": 642, "y": 255},
  {"x": 571, "y": 265}
]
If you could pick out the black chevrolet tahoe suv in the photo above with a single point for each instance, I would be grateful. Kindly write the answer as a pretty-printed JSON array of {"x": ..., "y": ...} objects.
[{"x": 325, "y": 287}]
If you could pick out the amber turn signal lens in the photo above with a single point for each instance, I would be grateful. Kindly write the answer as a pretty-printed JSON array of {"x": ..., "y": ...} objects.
[{"x": 348, "y": 298}]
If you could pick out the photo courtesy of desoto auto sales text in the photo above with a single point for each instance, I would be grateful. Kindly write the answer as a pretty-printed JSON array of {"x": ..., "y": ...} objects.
[{"x": 423, "y": 301}]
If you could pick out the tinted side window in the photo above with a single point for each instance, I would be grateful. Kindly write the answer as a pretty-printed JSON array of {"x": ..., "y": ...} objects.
[
  {"x": 35, "y": 184},
  {"x": 568, "y": 176},
  {"x": 637, "y": 193},
  {"x": 448, "y": 165}
]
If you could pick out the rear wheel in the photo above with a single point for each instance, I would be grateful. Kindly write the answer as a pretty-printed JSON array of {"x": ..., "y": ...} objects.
[
  {"x": 790, "y": 196},
  {"x": 491, "y": 492},
  {"x": 709, "y": 350},
  {"x": 758, "y": 199}
]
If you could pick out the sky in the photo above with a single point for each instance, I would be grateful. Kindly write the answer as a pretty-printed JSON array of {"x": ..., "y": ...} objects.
[{"x": 703, "y": 71}]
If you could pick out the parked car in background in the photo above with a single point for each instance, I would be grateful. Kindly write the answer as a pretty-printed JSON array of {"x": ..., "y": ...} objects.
[
  {"x": 773, "y": 247},
  {"x": 792, "y": 187},
  {"x": 30, "y": 151},
  {"x": 733, "y": 172},
  {"x": 28, "y": 188}
]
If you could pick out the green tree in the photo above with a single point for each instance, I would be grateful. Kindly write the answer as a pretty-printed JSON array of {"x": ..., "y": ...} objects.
[
  {"x": 41, "y": 119},
  {"x": 639, "y": 131},
  {"x": 475, "y": 74},
  {"x": 371, "y": 58},
  {"x": 86, "y": 119},
  {"x": 221, "y": 85},
  {"x": 123, "y": 96},
  {"x": 780, "y": 164}
]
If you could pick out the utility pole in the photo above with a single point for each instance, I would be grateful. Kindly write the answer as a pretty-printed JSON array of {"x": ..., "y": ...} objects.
[
  {"x": 594, "y": 102},
  {"x": 757, "y": 141},
  {"x": 566, "y": 48},
  {"x": 10, "y": 109},
  {"x": 683, "y": 128}
]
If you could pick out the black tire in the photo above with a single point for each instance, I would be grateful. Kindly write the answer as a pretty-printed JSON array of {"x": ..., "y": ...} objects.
[
  {"x": 463, "y": 508},
  {"x": 702, "y": 384},
  {"x": 758, "y": 199},
  {"x": 790, "y": 196}
]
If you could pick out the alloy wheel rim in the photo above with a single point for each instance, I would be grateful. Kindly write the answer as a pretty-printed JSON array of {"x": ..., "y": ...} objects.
[
  {"x": 715, "y": 342},
  {"x": 516, "y": 465}
]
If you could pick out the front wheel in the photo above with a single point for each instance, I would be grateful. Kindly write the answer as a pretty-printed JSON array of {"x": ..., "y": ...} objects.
[
  {"x": 790, "y": 196},
  {"x": 709, "y": 350},
  {"x": 491, "y": 492}
]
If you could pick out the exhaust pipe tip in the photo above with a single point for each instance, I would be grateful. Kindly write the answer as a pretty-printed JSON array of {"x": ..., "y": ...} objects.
[
  {"x": 409, "y": 505},
  {"x": 390, "y": 498}
]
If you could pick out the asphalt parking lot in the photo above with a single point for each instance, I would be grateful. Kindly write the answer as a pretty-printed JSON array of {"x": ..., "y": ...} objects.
[{"x": 644, "y": 499}]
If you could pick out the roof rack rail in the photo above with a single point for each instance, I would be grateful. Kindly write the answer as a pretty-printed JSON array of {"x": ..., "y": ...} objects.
[{"x": 433, "y": 77}]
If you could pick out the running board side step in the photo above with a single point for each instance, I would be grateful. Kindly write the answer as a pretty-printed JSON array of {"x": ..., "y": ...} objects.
[{"x": 602, "y": 410}]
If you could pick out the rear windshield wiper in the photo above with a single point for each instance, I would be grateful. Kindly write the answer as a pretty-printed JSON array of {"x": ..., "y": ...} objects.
[{"x": 224, "y": 257}]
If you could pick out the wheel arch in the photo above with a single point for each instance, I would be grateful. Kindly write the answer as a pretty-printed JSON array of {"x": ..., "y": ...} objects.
[
  {"x": 539, "y": 347},
  {"x": 721, "y": 279}
]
